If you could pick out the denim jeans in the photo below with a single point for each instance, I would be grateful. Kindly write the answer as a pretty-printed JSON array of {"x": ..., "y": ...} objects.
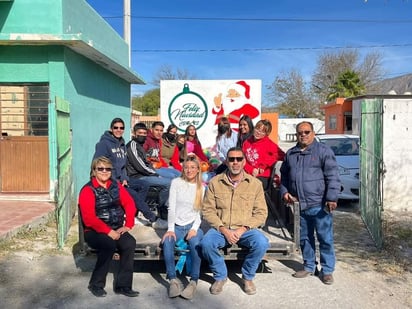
[
  {"x": 168, "y": 172},
  {"x": 140, "y": 203},
  {"x": 253, "y": 239},
  {"x": 169, "y": 251},
  {"x": 316, "y": 219},
  {"x": 143, "y": 184}
]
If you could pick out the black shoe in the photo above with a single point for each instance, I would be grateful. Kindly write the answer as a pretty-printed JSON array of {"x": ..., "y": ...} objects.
[
  {"x": 126, "y": 292},
  {"x": 97, "y": 291}
]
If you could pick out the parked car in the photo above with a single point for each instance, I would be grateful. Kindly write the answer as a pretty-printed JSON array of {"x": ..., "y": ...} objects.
[{"x": 346, "y": 149}]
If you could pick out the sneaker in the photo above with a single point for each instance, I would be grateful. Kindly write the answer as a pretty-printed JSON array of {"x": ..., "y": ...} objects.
[
  {"x": 217, "y": 286},
  {"x": 160, "y": 224},
  {"x": 141, "y": 221},
  {"x": 175, "y": 288},
  {"x": 190, "y": 290}
]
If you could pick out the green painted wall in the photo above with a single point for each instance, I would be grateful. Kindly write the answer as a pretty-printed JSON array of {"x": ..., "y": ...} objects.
[
  {"x": 96, "y": 95},
  {"x": 62, "y": 19}
]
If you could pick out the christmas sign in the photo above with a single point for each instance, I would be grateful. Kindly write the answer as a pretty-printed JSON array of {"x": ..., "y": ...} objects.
[{"x": 203, "y": 102}]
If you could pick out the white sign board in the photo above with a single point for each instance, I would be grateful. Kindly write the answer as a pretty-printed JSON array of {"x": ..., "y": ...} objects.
[{"x": 203, "y": 102}]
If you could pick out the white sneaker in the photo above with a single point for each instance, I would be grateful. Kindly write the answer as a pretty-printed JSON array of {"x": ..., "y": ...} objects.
[
  {"x": 160, "y": 224},
  {"x": 141, "y": 221}
]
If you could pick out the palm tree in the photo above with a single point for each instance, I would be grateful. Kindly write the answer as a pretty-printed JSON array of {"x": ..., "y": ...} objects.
[{"x": 347, "y": 85}]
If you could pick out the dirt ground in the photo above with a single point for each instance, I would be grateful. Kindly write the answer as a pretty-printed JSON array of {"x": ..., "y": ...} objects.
[{"x": 33, "y": 273}]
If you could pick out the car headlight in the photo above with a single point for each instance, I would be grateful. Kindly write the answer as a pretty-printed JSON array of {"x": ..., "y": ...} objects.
[{"x": 343, "y": 171}]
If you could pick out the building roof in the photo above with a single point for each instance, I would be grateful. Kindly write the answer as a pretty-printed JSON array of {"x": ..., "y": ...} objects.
[{"x": 79, "y": 45}]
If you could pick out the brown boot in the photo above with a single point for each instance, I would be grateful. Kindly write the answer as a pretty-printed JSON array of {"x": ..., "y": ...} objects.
[
  {"x": 249, "y": 287},
  {"x": 302, "y": 274},
  {"x": 217, "y": 286}
]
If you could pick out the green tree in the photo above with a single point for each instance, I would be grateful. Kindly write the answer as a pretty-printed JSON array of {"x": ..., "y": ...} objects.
[
  {"x": 348, "y": 84},
  {"x": 331, "y": 65},
  {"x": 292, "y": 96},
  {"x": 148, "y": 104}
]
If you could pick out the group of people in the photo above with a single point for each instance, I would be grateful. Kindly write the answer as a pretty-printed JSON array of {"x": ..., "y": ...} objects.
[{"x": 233, "y": 204}]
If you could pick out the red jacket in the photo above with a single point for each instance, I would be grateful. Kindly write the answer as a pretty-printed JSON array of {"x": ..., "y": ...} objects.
[
  {"x": 87, "y": 207},
  {"x": 153, "y": 148},
  {"x": 177, "y": 157},
  {"x": 262, "y": 153}
]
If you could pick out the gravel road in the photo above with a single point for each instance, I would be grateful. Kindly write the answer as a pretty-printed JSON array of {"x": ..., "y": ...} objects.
[{"x": 34, "y": 275}]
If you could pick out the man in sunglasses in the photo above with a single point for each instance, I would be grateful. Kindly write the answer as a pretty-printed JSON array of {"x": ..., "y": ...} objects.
[
  {"x": 112, "y": 146},
  {"x": 235, "y": 207},
  {"x": 309, "y": 175}
]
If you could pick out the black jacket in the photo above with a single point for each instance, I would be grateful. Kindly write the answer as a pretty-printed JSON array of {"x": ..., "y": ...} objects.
[{"x": 137, "y": 164}]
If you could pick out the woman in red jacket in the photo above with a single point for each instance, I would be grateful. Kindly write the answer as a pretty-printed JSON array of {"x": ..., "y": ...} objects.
[
  {"x": 186, "y": 144},
  {"x": 261, "y": 152},
  {"x": 104, "y": 202}
]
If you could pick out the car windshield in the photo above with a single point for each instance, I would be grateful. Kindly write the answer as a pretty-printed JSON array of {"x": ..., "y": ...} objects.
[{"x": 343, "y": 146}]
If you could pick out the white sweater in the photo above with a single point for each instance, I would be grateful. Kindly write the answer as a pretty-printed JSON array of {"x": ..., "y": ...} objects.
[{"x": 182, "y": 195}]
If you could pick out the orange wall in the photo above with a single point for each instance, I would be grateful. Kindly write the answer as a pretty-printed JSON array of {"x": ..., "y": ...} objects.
[
  {"x": 338, "y": 109},
  {"x": 273, "y": 118}
]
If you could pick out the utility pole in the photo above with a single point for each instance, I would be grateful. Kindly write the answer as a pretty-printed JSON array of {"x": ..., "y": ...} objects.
[{"x": 126, "y": 26}]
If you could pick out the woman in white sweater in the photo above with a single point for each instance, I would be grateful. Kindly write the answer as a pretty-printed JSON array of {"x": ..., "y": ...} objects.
[{"x": 185, "y": 201}]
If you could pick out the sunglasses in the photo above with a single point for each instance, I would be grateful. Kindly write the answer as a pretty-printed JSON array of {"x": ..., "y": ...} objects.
[
  {"x": 104, "y": 169},
  {"x": 300, "y": 133},
  {"x": 233, "y": 159},
  {"x": 118, "y": 128},
  {"x": 191, "y": 158}
]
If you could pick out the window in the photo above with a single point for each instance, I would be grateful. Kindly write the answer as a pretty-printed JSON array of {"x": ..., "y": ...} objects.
[
  {"x": 24, "y": 110},
  {"x": 332, "y": 122}
]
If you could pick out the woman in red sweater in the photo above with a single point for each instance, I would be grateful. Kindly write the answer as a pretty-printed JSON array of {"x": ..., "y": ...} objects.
[
  {"x": 261, "y": 152},
  {"x": 190, "y": 144}
]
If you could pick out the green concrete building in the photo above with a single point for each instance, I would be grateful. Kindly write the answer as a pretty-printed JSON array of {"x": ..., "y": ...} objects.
[{"x": 64, "y": 75}]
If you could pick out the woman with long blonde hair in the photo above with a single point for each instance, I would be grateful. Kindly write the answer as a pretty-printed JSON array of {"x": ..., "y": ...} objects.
[{"x": 185, "y": 201}]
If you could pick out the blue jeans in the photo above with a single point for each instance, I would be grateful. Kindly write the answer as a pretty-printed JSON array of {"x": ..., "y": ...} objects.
[
  {"x": 143, "y": 184},
  {"x": 140, "y": 203},
  {"x": 169, "y": 251},
  {"x": 316, "y": 219},
  {"x": 168, "y": 172},
  {"x": 253, "y": 239}
]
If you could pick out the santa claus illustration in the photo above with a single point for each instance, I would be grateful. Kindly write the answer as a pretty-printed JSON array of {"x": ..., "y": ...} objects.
[{"x": 235, "y": 104}]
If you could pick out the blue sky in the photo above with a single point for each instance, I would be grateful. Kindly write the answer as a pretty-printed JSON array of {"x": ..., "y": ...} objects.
[{"x": 259, "y": 39}]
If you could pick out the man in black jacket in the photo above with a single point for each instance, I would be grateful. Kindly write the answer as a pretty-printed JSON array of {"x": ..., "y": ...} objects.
[{"x": 142, "y": 175}]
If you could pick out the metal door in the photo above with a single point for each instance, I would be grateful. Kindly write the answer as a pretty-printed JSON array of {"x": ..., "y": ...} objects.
[
  {"x": 66, "y": 202},
  {"x": 24, "y": 144},
  {"x": 371, "y": 171}
]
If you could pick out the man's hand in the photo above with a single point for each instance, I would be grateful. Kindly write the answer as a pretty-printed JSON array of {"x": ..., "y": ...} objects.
[
  {"x": 289, "y": 198},
  {"x": 124, "y": 183},
  {"x": 331, "y": 205},
  {"x": 232, "y": 236}
]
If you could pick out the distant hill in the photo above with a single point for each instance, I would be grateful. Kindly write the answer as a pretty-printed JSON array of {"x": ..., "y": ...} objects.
[{"x": 400, "y": 85}]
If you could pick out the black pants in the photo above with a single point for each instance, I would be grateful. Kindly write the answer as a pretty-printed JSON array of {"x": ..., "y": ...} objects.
[{"x": 106, "y": 247}]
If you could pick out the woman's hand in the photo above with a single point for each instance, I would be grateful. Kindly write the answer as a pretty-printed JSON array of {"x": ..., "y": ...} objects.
[
  {"x": 190, "y": 234},
  {"x": 168, "y": 234},
  {"x": 114, "y": 235},
  {"x": 122, "y": 230}
]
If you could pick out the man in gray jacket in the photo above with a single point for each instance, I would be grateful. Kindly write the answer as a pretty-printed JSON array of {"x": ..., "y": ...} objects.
[{"x": 309, "y": 175}]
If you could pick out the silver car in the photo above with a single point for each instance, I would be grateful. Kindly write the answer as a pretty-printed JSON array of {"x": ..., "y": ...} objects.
[{"x": 346, "y": 149}]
